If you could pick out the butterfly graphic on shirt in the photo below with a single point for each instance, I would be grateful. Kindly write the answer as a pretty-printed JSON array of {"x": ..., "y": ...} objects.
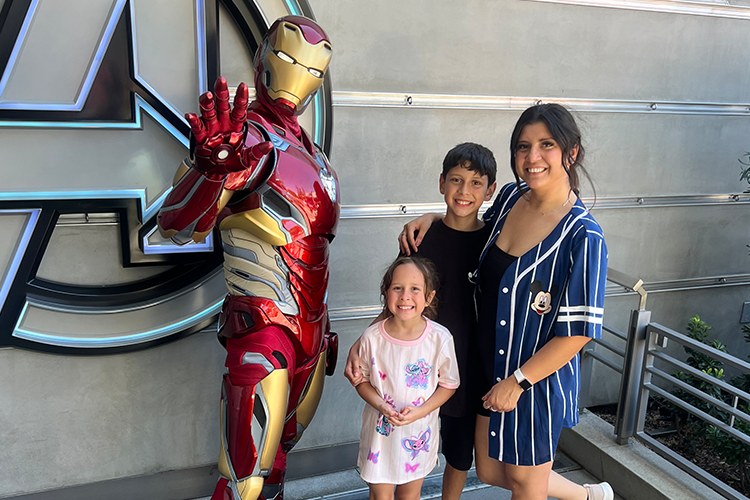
[
  {"x": 411, "y": 468},
  {"x": 373, "y": 457},
  {"x": 417, "y": 374},
  {"x": 418, "y": 443},
  {"x": 383, "y": 425},
  {"x": 418, "y": 402},
  {"x": 382, "y": 375}
]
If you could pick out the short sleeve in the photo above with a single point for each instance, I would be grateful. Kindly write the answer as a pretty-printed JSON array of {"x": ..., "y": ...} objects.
[
  {"x": 582, "y": 307},
  {"x": 492, "y": 213},
  {"x": 365, "y": 356},
  {"x": 447, "y": 365}
]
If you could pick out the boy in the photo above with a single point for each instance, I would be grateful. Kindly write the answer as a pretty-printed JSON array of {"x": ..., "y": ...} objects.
[{"x": 454, "y": 244}]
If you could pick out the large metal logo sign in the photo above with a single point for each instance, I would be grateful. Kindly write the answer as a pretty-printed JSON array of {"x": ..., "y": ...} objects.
[{"x": 92, "y": 98}]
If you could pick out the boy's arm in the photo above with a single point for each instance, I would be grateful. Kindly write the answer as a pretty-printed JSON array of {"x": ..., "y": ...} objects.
[
  {"x": 410, "y": 414},
  {"x": 419, "y": 227},
  {"x": 372, "y": 398},
  {"x": 351, "y": 369},
  {"x": 353, "y": 360}
]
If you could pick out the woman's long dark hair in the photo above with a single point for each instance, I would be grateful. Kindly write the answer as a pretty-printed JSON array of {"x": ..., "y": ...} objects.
[{"x": 564, "y": 130}]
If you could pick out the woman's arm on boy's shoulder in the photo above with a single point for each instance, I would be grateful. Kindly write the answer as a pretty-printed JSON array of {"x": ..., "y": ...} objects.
[
  {"x": 411, "y": 414},
  {"x": 413, "y": 233}
]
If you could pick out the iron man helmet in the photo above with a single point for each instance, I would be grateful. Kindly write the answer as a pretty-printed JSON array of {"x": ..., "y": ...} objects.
[{"x": 291, "y": 62}]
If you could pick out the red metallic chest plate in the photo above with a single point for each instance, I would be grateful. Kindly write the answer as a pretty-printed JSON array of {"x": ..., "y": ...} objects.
[{"x": 303, "y": 179}]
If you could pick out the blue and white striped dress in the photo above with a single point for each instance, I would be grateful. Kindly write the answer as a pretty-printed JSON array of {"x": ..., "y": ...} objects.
[{"x": 571, "y": 265}]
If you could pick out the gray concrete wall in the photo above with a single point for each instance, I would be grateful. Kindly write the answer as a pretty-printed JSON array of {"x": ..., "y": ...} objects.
[{"x": 74, "y": 420}]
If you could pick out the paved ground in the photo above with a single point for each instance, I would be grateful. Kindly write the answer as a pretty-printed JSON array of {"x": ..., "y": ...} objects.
[{"x": 347, "y": 485}]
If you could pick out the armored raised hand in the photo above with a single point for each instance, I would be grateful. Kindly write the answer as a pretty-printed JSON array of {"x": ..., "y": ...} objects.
[{"x": 219, "y": 149}]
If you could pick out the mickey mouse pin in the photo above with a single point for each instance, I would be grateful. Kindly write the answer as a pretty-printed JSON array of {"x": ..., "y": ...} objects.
[{"x": 542, "y": 303}]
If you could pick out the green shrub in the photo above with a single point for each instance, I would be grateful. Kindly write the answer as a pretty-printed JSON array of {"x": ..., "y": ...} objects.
[{"x": 730, "y": 449}]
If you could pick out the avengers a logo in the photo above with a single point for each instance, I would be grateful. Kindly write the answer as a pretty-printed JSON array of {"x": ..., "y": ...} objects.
[{"x": 92, "y": 98}]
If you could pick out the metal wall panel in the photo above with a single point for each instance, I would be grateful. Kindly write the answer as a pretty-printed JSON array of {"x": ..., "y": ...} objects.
[
  {"x": 392, "y": 155},
  {"x": 71, "y": 420},
  {"x": 677, "y": 243},
  {"x": 511, "y": 47}
]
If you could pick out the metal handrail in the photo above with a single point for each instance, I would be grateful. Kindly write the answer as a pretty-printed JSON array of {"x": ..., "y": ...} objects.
[
  {"x": 614, "y": 331},
  {"x": 629, "y": 282},
  {"x": 725, "y": 358},
  {"x": 700, "y": 395},
  {"x": 645, "y": 342},
  {"x": 701, "y": 375},
  {"x": 595, "y": 355}
]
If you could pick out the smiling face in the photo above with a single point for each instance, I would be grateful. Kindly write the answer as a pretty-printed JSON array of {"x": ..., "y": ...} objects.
[
  {"x": 407, "y": 297},
  {"x": 539, "y": 159},
  {"x": 464, "y": 191}
]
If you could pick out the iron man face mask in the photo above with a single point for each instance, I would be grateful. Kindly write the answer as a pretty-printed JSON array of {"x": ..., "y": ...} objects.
[{"x": 292, "y": 66}]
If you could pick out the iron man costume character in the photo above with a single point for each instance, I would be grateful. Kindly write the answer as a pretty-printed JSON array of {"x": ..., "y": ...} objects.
[{"x": 257, "y": 175}]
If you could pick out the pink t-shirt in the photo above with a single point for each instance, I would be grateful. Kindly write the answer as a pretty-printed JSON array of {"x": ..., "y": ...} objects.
[{"x": 403, "y": 374}]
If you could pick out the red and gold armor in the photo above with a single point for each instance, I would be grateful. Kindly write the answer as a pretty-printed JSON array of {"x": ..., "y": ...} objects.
[{"x": 255, "y": 173}]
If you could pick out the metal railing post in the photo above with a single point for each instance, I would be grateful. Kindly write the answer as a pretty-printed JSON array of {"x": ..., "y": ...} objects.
[
  {"x": 587, "y": 368},
  {"x": 627, "y": 404}
]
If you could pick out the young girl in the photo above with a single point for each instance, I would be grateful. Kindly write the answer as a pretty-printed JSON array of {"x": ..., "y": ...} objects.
[{"x": 411, "y": 372}]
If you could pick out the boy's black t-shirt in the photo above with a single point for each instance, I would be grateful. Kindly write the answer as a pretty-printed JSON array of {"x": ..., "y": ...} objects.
[{"x": 455, "y": 255}]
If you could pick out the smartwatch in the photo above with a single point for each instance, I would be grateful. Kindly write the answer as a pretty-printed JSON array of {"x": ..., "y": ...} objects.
[{"x": 522, "y": 381}]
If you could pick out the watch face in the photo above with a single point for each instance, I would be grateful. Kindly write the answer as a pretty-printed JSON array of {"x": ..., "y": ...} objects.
[{"x": 525, "y": 385}]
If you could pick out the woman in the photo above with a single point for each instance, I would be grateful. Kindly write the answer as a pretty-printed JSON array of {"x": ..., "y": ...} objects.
[{"x": 540, "y": 297}]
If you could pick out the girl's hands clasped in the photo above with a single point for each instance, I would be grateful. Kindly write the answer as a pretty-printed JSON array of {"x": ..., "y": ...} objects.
[
  {"x": 408, "y": 415},
  {"x": 503, "y": 396}
]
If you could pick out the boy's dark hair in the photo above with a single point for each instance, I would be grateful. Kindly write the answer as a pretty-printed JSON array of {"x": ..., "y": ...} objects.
[
  {"x": 427, "y": 268},
  {"x": 473, "y": 156}
]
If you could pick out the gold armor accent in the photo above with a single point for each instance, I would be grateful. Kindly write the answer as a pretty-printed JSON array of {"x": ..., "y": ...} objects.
[
  {"x": 263, "y": 283},
  {"x": 257, "y": 222},
  {"x": 250, "y": 488},
  {"x": 274, "y": 390},
  {"x": 223, "y": 452},
  {"x": 223, "y": 200},
  {"x": 276, "y": 393},
  {"x": 181, "y": 171},
  {"x": 311, "y": 398},
  {"x": 296, "y": 66}
]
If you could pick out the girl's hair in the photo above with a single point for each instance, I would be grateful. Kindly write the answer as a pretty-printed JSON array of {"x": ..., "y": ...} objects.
[
  {"x": 430, "y": 283},
  {"x": 564, "y": 130}
]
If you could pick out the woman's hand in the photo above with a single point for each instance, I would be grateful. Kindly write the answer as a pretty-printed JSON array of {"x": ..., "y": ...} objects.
[
  {"x": 351, "y": 369},
  {"x": 413, "y": 233},
  {"x": 503, "y": 396}
]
